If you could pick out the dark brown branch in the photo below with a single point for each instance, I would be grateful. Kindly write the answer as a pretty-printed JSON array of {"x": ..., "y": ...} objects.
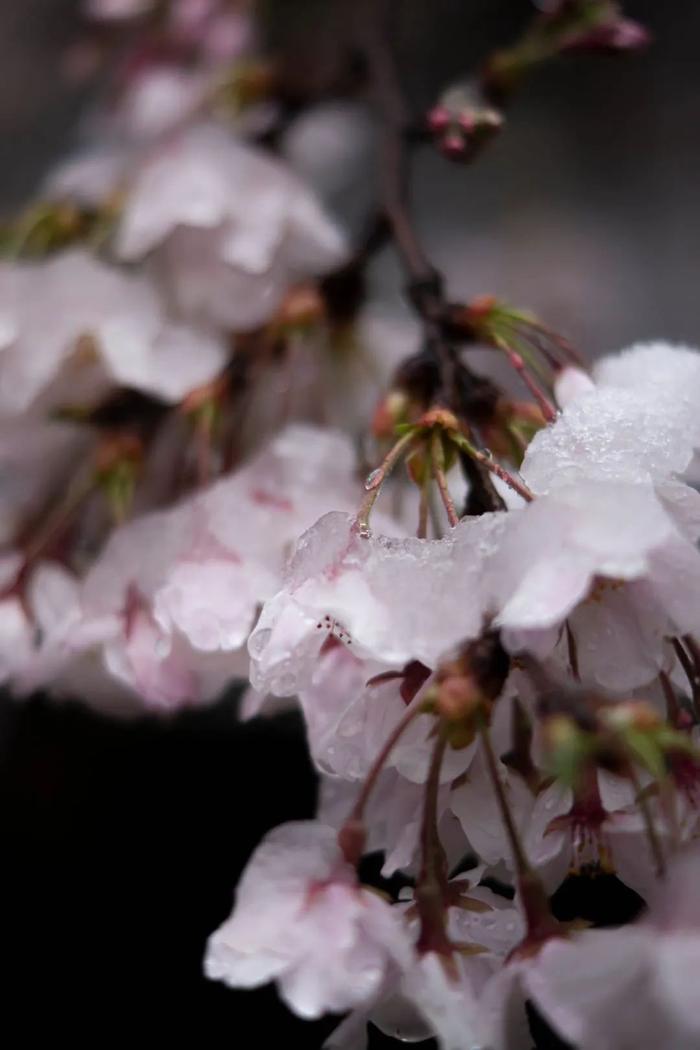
[{"x": 425, "y": 286}]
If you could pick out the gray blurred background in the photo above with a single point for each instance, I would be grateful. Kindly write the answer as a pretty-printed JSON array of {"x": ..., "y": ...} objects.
[{"x": 585, "y": 210}]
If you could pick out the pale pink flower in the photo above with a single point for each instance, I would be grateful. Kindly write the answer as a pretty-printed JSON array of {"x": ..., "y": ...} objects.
[
  {"x": 639, "y": 423},
  {"x": 442, "y": 996},
  {"x": 161, "y": 99},
  {"x": 393, "y": 819},
  {"x": 231, "y": 227},
  {"x": 71, "y": 327},
  {"x": 175, "y": 593},
  {"x": 302, "y": 919},
  {"x": 633, "y": 988},
  {"x": 351, "y": 706},
  {"x": 609, "y": 557},
  {"x": 392, "y": 600},
  {"x": 475, "y": 805}
]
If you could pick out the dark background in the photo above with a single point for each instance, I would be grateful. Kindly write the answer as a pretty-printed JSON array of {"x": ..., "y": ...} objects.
[{"x": 121, "y": 843}]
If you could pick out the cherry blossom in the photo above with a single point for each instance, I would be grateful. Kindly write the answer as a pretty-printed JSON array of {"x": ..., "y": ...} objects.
[
  {"x": 173, "y": 596},
  {"x": 393, "y": 600},
  {"x": 584, "y": 984},
  {"x": 70, "y": 327},
  {"x": 301, "y": 918},
  {"x": 231, "y": 227}
]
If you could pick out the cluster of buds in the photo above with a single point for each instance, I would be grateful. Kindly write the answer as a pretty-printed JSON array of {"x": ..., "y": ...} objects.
[
  {"x": 563, "y": 26},
  {"x": 463, "y": 122}
]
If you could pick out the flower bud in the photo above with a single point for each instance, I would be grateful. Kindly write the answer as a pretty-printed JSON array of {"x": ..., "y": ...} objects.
[{"x": 463, "y": 122}]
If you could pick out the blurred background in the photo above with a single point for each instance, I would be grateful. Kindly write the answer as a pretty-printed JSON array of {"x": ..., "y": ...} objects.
[{"x": 122, "y": 842}]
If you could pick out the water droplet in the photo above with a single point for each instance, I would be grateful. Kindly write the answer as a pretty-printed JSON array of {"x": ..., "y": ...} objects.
[
  {"x": 373, "y": 479},
  {"x": 364, "y": 531},
  {"x": 488, "y": 453}
]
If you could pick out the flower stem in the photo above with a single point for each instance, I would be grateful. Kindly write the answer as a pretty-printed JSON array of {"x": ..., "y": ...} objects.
[
  {"x": 651, "y": 833},
  {"x": 379, "y": 476},
  {"x": 438, "y": 464},
  {"x": 431, "y": 887},
  {"x": 495, "y": 468}
]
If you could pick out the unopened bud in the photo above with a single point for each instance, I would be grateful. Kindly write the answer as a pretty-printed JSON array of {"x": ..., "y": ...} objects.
[
  {"x": 352, "y": 838},
  {"x": 463, "y": 121},
  {"x": 390, "y": 411},
  {"x": 302, "y": 307},
  {"x": 632, "y": 714}
]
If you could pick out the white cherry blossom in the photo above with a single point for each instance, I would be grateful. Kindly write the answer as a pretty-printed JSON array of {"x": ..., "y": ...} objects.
[
  {"x": 230, "y": 226},
  {"x": 71, "y": 327},
  {"x": 301, "y": 919},
  {"x": 632, "y": 988}
]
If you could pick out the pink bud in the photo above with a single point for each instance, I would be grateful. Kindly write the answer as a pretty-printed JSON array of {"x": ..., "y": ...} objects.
[
  {"x": 453, "y": 145},
  {"x": 467, "y": 122},
  {"x": 438, "y": 119},
  {"x": 621, "y": 34}
]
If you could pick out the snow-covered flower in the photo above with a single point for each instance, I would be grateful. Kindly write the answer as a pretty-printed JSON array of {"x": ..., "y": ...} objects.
[
  {"x": 302, "y": 920},
  {"x": 618, "y": 554},
  {"x": 638, "y": 422},
  {"x": 392, "y": 600}
]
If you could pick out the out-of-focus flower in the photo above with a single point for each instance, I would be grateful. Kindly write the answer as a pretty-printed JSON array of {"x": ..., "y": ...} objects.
[
  {"x": 228, "y": 227},
  {"x": 118, "y": 9},
  {"x": 171, "y": 599},
  {"x": 71, "y": 327}
]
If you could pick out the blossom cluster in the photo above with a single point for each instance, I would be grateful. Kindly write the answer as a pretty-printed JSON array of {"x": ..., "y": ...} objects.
[{"x": 492, "y": 636}]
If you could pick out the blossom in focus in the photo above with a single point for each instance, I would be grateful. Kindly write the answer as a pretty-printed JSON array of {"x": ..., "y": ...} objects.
[
  {"x": 302, "y": 919},
  {"x": 633, "y": 987},
  {"x": 393, "y": 600}
]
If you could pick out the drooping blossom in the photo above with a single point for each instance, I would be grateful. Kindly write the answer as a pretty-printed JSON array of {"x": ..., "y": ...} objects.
[
  {"x": 393, "y": 600},
  {"x": 633, "y": 987},
  {"x": 171, "y": 599},
  {"x": 302, "y": 920}
]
